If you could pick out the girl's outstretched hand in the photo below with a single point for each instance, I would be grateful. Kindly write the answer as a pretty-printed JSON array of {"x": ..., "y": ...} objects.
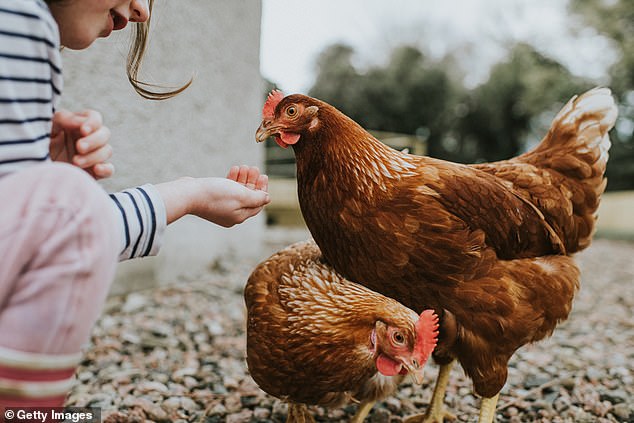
[
  {"x": 224, "y": 201},
  {"x": 81, "y": 139}
]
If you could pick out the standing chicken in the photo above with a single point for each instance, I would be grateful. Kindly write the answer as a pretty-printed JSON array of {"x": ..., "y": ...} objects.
[
  {"x": 316, "y": 338},
  {"x": 486, "y": 246}
]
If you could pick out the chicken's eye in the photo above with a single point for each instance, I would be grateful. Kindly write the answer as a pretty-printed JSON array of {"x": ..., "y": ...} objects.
[
  {"x": 398, "y": 338},
  {"x": 291, "y": 111}
]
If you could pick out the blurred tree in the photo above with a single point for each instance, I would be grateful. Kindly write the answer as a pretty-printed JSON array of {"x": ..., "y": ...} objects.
[
  {"x": 337, "y": 79},
  {"x": 409, "y": 95},
  {"x": 514, "y": 107},
  {"x": 615, "y": 19}
]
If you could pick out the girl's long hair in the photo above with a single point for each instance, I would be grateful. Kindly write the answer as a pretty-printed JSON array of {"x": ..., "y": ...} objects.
[{"x": 133, "y": 65}]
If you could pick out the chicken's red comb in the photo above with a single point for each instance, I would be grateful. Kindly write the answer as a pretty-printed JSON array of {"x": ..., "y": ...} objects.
[
  {"x": 273, "y": 99},
  {"x": 426, "y": 334}
]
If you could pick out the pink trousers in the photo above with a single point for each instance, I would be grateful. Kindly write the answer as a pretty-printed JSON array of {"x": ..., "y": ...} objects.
[{"x": 58, "y": 253}]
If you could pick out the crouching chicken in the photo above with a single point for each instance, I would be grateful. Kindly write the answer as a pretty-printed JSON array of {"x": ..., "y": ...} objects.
[
  {"x": 487, "y": 246},
  {"x": 315, "y": 338}
]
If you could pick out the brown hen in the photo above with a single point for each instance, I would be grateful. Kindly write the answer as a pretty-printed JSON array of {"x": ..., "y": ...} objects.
[
  {"x": 487, "y": 246},
  {"x": 315, "y": 338}
]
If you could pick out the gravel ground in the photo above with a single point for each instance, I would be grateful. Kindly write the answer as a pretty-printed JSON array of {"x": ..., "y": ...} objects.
[{"x": 176, "y": 354}]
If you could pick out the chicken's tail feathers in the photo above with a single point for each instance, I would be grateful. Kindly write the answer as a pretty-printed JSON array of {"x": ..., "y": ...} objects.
[
  {"x": 572, "y": 158},
  {"x": 577, "y": 143}
]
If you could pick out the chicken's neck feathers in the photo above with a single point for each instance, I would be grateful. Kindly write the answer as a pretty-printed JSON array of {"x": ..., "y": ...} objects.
[{"x": 353, "y": 154}]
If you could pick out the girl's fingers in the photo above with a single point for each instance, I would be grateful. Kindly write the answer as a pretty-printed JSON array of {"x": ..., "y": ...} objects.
[
  {"x": 252, "y": 177},
  {"x": 249, "y": 176},
  {"x": 243, "y": 175},
  {"x": 102, "y": 170},
  {"x": 93, "y": 141},
  {"x": 92, "y": 121},
  {"x": 233, "y": 173},
  {"x": 93, "y": 158},
  {"x": 262, "y": 183}
]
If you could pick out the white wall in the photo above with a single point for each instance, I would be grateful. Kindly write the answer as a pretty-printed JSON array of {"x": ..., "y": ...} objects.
[{"x": 202, "y": 132}]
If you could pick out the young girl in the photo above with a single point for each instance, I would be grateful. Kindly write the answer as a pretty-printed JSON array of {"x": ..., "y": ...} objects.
[{"x": 60, "y": 233}]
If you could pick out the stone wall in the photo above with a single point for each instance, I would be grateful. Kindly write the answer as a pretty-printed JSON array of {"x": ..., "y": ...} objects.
[{"x": 202, "y": 132}]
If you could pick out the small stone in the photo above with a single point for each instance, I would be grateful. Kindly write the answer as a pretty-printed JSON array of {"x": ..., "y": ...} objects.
[
  {"x": 85, "y": 376},
  {"x": 568, "y": 383},
  {"x": 130, "y": 337},
  {"x": 162, "y": 330},
  {"x": 615, "y": 397},
  {"x": 623, "y": 411},
  {"x": 190, "y": 382},
  {"x": 393, "y": 404},
  {"x": 231, "y": 383},
  {"x": 593, "y": 374},
  {"x": 562, "y": 403},
  {"x": 534, "y": 381},
  {"x": 134, "y": 302},
  {"x": 179, "y": 374},
  {"x": 149, "y": 386},
  {"x": 336, "y": 414},
  {"x": 218, "y": 409},
  {"x": 176, "y": 389},
  {"x": 189, "y": 404},
  {"x": 152, "y": 410},
  {"x": 243, "y": 416},
  {"x": 233, "y": 403},
  {"x": 214, "y": 328},
  {"x": 261, "y": 413},
  {"x": 171, "y": 404},
  {"x": 380, "y": 415},
  {"x": 102, "y": 400},
  {"x": 551, "y": 397},
  {"x": 249, "y": 400},
  {"x": 280, "y": 409}
]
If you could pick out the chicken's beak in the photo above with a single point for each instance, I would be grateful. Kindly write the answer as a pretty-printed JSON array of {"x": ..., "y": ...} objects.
[
  {"x": 265, "y": 130},
  {"x": 415, "y": 370}
]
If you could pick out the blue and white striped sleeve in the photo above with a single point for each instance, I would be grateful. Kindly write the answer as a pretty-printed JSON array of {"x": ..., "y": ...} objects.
[
  {"x": 30, "y": 82},
  {"x": 142, "y": 221}
]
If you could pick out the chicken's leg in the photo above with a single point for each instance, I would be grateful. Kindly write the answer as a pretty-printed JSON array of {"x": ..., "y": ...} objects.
[
  {"x": 436, "y": 412},
  {"x": 298, "y": 413},
  {"x": 362, "y": 412},
  {"x": 487, "y": 409}
]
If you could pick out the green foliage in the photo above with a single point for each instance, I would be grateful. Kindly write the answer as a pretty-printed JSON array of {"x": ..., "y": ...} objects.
[
  {"x": 502, "y": 115},
  {"x": 615, "y": 19},
  {"x": 409, "y": 95}
]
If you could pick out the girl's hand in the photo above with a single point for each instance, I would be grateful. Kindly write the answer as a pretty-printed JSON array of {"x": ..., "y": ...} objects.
[
  {"x": 224, "y": 201},
  {"x": 81, "y": 139}
]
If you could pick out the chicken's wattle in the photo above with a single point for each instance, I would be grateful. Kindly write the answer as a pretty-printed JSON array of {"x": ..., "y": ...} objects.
[
  {"x": 284, "y": 139},
  {"x": 388, "y": 367}
]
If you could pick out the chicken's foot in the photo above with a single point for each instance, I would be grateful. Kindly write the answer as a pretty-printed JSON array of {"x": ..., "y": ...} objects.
[
  {"x": 487, "y": 409},
  {"x": 362, "y": 412},
  {"x": 436, "y": 413},
  {"x": 298, "y": 413}
]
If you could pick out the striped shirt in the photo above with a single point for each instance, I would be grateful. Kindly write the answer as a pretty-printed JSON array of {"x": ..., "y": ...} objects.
[{"x": 30, "y": 90}]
